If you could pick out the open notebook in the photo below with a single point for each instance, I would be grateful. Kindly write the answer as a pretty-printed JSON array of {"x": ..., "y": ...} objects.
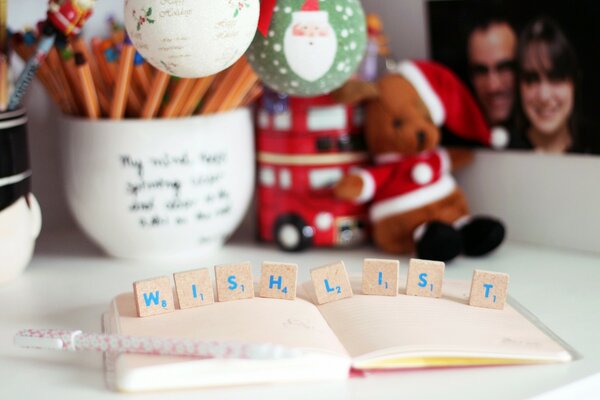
[{"x": 362, "y": 332}]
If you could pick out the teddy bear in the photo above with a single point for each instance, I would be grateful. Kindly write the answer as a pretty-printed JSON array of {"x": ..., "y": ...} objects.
[{"x": 416, "y": 205}]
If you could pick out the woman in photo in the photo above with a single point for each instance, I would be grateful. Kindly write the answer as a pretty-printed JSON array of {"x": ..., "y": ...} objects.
[{"x": 548, "y": 88}]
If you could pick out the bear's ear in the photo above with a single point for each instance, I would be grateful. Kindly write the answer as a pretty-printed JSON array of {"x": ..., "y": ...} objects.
[{"x": 354, "y": 92}]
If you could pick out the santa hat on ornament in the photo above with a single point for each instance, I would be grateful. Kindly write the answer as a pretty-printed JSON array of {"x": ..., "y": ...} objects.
[
  {"x": 450, "y": 103},
  {"x": 310, "y": 11}
]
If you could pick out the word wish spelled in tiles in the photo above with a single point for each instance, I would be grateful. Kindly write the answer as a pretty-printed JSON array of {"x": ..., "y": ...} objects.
[{"x": 330, "y": 282}]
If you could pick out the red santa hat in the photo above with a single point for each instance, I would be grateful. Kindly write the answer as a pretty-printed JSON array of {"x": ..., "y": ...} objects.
[
  {"x": 450, "y": 103},
  {"x": 310, "y": 5}
]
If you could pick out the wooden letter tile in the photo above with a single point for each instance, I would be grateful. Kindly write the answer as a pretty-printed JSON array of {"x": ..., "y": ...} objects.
[
  {"x": 380, "y": 277},
  {"x": 425, "y": 278},
  {"x": 278, "y": 280},
  {"x": 488, "y": 289},
  {"x": 153, "y": 296},
  {"x": 331, "y": 282},
  {"x": 194, "y": 288},
  {"x": 234, "y": 281}
]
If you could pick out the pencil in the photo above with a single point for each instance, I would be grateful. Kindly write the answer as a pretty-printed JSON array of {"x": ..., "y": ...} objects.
[
  {"x": 141, "y": 77},
  {"x": 157, "y": 92},
  {"x": 175, "y": 104},
  {"x": 103, "y": 69},
  {"x": 239, "y": 90},
  {"x": 198, "y": 91},
  {"x": 68, "y": 65},
  {"x": 223, "y": 87},
  {"x": 88, "y": 90},
  {"x": 56, "y": 69},
  {"x": 123, "y": 81},
  {"x": 81, "y": 47},
  {"x": 253, "y": 95},
  {"x": 47, "y": 79}
]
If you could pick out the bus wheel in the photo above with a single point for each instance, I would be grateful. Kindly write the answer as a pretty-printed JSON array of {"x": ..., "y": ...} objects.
[{"x": 291, "y": 233}]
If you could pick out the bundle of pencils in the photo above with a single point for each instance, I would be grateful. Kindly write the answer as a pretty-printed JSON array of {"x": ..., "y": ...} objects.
[{"x": 107, "y": 78}]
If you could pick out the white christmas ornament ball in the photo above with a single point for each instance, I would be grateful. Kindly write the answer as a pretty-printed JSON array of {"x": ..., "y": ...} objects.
[{"x": 191, "y": 38}]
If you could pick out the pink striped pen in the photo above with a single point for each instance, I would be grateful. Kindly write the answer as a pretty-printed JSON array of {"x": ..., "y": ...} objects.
[{"x": 57, "y": 339}]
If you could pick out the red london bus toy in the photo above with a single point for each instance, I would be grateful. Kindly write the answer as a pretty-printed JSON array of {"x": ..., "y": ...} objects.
[{"x": 305, "y": 145}]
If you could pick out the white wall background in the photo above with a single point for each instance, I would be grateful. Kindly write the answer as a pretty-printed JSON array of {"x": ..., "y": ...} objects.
[{"x": 545, "y": 200}]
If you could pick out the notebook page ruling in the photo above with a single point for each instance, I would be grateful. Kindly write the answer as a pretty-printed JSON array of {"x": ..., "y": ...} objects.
[{"x": 376, "y": 326}]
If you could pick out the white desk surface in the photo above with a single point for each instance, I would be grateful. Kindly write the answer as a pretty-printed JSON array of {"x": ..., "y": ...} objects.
[{"x": 69, "y": 284}]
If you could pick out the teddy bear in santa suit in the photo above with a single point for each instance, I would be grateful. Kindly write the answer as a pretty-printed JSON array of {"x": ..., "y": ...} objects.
[{"x": 415, "y": 202}]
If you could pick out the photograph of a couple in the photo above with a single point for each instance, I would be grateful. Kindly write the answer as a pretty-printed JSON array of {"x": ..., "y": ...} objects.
[{"x": 532, "y": 66}]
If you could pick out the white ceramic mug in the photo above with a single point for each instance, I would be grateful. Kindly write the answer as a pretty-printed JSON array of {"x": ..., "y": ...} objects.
[
  {"x": 159, "y": 189},
  {"x": 20, "y": 216},
  {"x": 20, "y": 225}
]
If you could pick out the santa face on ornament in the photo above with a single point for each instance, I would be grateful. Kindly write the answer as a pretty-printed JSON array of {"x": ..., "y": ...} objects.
[
  {"x": 310, "y": 44},
  {"x": 311, "y": 47}
]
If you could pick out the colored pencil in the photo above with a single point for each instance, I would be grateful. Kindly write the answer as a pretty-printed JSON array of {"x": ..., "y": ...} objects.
[
  {"x": 157, "y": 92},
  {"x": 88, "y": 90},
  {"x": 123, "y": 81},
  {"x": 141, "y": 76},
  {"x": 176, "y": 102},
  {"x": 198, "y": 91},
  {"x": 31, "y": 68}
]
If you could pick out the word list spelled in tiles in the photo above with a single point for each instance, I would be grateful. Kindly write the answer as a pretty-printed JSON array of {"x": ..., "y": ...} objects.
[
  {"x": 234, "y": 281},
  {"x": 153, "y": 296},
  {"x": 380, "y": 277},
  {"x": 425, "y": 278},
  {"x": 278, "y": 280},
  {"x": 194, "y": 288},
  {"x": 331, "y": 282},
  {"x": 488, "y": 289}
]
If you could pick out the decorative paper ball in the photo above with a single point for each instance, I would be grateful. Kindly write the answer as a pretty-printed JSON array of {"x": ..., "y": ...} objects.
[
  {"x": 312, "y": 46},
  {"x": 191, "y": 38}
]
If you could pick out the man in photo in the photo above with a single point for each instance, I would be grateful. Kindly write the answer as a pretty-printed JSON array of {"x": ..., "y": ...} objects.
[{"x": 491, "y": 52}]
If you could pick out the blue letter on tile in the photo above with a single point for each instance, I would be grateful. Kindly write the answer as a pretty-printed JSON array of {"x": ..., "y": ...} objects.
[
  {"x": 273, "y": 282},
  {"x": 150, "y": 298},
  {"x": 487, "y": 287},
  {"x": 232, "y": 283}
]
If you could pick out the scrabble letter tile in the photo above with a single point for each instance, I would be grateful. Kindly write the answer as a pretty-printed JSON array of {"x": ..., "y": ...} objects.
[
  {"x": 153, "y": 296},
  {"x": 380, "y": 277},
  {"x": 194, "y": 288},
  {"x": 278, "y": 280},
  {"x": 488, "y": 289},
  {"x": 331, "y": 282},
  {"x": 234, "y": 281},
  {"x": 425, "y": 278}
]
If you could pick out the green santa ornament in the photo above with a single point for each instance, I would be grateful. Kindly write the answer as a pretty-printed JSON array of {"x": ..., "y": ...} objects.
[{"x": 312, "y": 47}]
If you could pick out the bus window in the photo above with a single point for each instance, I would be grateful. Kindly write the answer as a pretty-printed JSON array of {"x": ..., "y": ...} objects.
[
  {"x": 282, "y": 121},
  {"x": 326, "y": 118},
  {"x": 263, "y": 119},
  {"x": 285, "y": 178},
  {"x": 266, "y": 176},
  {"x": 324, "y": 177}
]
